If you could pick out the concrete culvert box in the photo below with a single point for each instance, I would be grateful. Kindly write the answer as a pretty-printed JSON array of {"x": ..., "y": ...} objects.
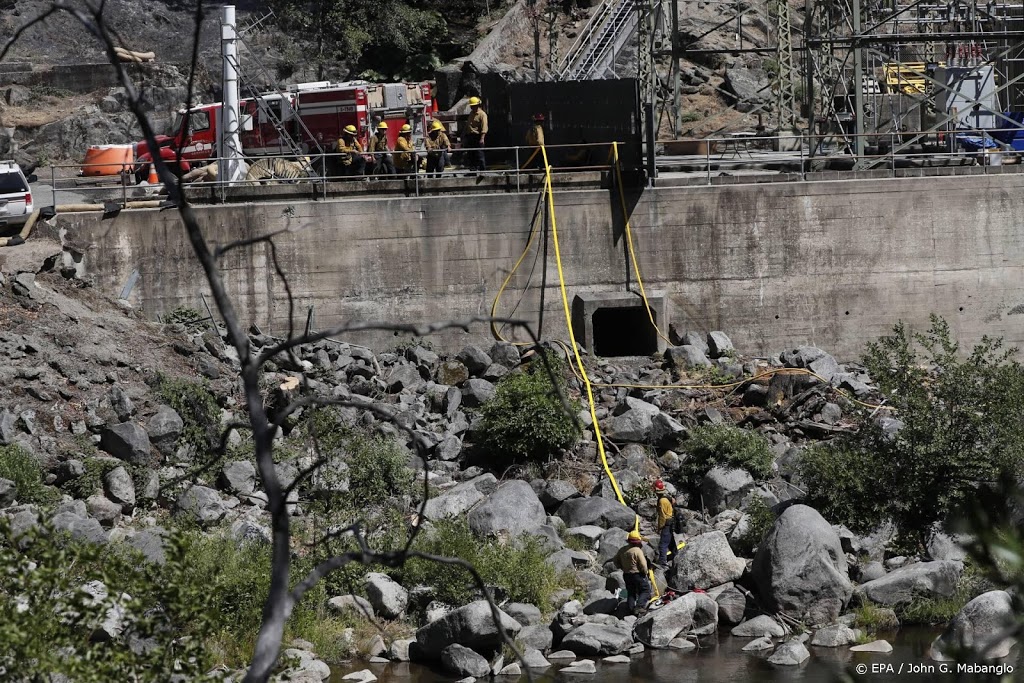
[{"x": 618, "y": 324}]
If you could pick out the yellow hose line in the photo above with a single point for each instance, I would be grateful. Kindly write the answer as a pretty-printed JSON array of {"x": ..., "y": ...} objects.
[
  {"x": 629, "y": 243},
  {"x": 572, "y": 336}
]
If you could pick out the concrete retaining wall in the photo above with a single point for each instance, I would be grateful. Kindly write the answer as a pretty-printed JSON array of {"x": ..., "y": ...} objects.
[{"x": 829, "y": 263}]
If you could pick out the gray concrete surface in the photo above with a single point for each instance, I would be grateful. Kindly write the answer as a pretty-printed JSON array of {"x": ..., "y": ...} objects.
[{"x": 774, "y": 265}]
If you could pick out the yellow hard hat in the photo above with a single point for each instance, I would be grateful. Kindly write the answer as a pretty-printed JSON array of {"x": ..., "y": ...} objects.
[
  {"x": 634, "y": 537},
  {"x": 382, "y": 125},
  {"x": 351, "y": 130},
  {"x": 406, "y": 128},
  {"x": 436, "y": 125},
  {"x": 474, "y": 101}
]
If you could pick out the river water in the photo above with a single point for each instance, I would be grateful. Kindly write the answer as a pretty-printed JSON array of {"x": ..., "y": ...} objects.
[{"x": 723, "y": 661}]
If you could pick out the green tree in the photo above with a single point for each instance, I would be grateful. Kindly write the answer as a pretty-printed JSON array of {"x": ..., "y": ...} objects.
[
  {"x": 381, "y": 39},
  {"x": 962, "y": 429}
]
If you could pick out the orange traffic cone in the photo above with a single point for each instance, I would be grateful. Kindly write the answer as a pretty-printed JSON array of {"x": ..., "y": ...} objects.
[{"x": 153, "y": 177}]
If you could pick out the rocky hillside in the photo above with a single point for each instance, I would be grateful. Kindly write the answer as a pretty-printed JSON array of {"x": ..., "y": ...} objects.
[{"x": 118, "y": 415}]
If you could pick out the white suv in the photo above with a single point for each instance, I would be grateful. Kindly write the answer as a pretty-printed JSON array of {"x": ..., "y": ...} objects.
[{"x": 15, "y": 195}]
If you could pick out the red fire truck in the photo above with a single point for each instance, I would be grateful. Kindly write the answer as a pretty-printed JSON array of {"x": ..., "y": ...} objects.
[{"x": 312, "y": 115}]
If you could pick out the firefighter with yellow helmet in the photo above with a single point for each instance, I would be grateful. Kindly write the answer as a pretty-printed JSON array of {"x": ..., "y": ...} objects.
[
  {"x": 630, "y": 559},
  {"x": 383, "y": 163},
  {"x": 351, "y": 152},
  {"x": 476, "y": 135},
  {"x": 439, "y": 149},
  {"x": 405, "y": 154}
]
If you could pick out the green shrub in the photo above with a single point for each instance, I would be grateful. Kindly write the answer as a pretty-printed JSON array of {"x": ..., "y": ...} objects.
[
  {"x": 193, "y": 320},
  {"x": 198, "y": 409},
  {"x": 872, "y": 618},
  {"x": 759, "y": 524},
  {"x": 92, "y": 480},
  {"x": 526, "y": 420},
  {"x": 518, "y": 568},
  {"x": 377, "y": 469},
  {"x": 962, "y": 432},
  {"x": 712, "y": 445},
  {"x": 936, "y": 611},
  {"x": 18, "y": 465}
]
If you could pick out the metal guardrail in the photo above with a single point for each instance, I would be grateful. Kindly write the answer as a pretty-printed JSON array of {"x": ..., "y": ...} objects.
[{"x": 516, "y": 165}]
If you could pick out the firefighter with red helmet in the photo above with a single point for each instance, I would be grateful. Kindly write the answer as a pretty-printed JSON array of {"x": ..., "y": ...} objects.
[
  {"x": 665, "y": 522},
  {"x": 353, "y": 163}
]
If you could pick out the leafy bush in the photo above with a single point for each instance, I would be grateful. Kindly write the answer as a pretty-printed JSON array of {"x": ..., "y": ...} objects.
[
  {"x": 518, "y": 569},
  {"x": 193, "y": 320},
  {"x": 198, "y": 409},
  {"x": 961, "y": 432},
  {"x": 759, "y": 523},
  {"x": 377, "y": 469},
  {"x": 92, "y": 480},
  {"x": 18, "y": 465},
  {"x": 712, "y": 445},
  {"x": 526, "y": 420}
]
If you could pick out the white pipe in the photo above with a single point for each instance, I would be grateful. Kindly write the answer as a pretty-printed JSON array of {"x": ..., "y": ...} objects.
[{"x": 229, "y": 144}]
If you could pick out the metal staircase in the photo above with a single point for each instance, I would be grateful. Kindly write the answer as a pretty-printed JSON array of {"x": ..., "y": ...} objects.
[{"x": 601, "y": 40}]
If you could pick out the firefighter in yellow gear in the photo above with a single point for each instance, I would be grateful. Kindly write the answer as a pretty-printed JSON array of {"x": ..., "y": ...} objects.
[
  {"x": 351, "y": 150},
  {"x": 476, "y": 135},
  {"x": 630, "y": 559},
  {"x": 535, "y": 139},
  {"x": 439, "y": 149},
  {"x": 383, "y": 163},
  {"x": 405, "y": 155}
]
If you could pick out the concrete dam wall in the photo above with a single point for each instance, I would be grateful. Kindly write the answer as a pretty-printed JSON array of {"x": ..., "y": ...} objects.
[{"x": 774, "y": 265}]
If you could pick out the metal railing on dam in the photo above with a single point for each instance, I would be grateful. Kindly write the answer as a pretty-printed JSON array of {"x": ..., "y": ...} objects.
[{"x": 730, "y": 159}]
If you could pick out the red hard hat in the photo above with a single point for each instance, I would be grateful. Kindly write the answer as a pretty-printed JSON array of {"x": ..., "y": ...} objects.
[
  {"x": 659, "y": 485},
  {"x": 538, "y": 117}
]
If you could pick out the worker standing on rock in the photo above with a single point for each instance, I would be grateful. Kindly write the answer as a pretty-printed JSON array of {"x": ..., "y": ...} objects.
[
  {"x": 405, "y": 156},
  {"x": 665, "y": 523},
  {"x": 476, "y": 135},
  {"x": 439, "y": 149},
  {"x": 352, "y": 160},
  {"x": 382, "y": 161},
  {"x": 630, "y": 559}
]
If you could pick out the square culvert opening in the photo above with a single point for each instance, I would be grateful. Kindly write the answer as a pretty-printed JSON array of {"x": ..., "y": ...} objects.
[{"x": 624, "y": 331}]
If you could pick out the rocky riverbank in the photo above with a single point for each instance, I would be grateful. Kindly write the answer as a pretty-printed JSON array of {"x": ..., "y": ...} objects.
[{"x": 119, "y": 416}]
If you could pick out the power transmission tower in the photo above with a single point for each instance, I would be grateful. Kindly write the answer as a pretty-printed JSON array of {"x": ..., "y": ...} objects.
[{"x": 785, "y": 91}]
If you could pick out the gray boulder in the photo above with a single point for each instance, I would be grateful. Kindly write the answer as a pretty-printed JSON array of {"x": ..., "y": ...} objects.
[
  {"x": 610, "y": 543},
  {"x": 567, "y": 560},
  {"x": 512, "y": 509},
  {"x": 686, "y": 357},
  {"x": 461, "y": 661},
  {"x": 979, "y": 630},
  {"x": 790, "y": 653},
  {"x": 523, "y": 612},
  {"x": 402, "y": 378},
  {"x": 599, "y": 639},
  {"x": 239, "y": 477},
  {"x": 202, "y": 505},
  {"x": 536, "y": 636},
  {"x": 732, "y": 605},
  {"x": 101, "y": 508},
  {"x": 760, "y": 626},
  {"x": 724, "y": 489},
  {"x": 120, "y": 488},
  {"x": 127, "y": 441},
  {"x": 460, "y": 498},
  {"x": 553, "y": 492},
  {"x": 8, "y": 492},
  {"x": 707, "y": 561},
  {"x": 719, "y": 344},
  {"x": 534, "y": 659},
  {"x": 474, "y": 358},
  {"x": 80, "y": 527},
  {"x": 872, "y": 571},
  {"x": 694, "y": 613},
  {"x": 164, "y": 429},
  {"x": 505, "y": 353},
  {"x": 921, "y": 579},
  {"x": 354, "y": 604},
  {"x": 387, "y": 596},
  {"x": 596, "y": 511},
  {"x": 834, "y": 635},
  {"x": 471, "y": 625},
  {"x": 800, "y": 568},
  {"x": 635, "y": 423},
  {"x": 477, "y": 392},
  {"x": 944, "y": 547}
]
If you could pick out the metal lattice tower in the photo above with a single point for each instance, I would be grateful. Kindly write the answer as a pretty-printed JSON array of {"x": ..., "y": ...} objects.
[{"x": 785, "y": 99}]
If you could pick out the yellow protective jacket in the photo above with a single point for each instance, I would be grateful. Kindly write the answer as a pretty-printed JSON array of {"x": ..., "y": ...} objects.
[
  {"x": 403, "y": 153},
  {"x": 354, "y": 147},
  {"x": 379, "y": 143},
  {"x": 441, "y": 142},
  {"x": 665, "y": 512},
  {"x": 476, "y": 124},
  {"x": 535, "y": 136},
  {"x": 631, "y": 560}
]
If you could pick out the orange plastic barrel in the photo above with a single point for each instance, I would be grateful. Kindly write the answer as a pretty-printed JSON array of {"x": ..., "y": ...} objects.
[{"x": 107, "y": 160}]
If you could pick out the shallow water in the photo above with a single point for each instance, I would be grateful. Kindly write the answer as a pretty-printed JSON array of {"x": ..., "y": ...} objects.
[{"x": 723, "y": 661}]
